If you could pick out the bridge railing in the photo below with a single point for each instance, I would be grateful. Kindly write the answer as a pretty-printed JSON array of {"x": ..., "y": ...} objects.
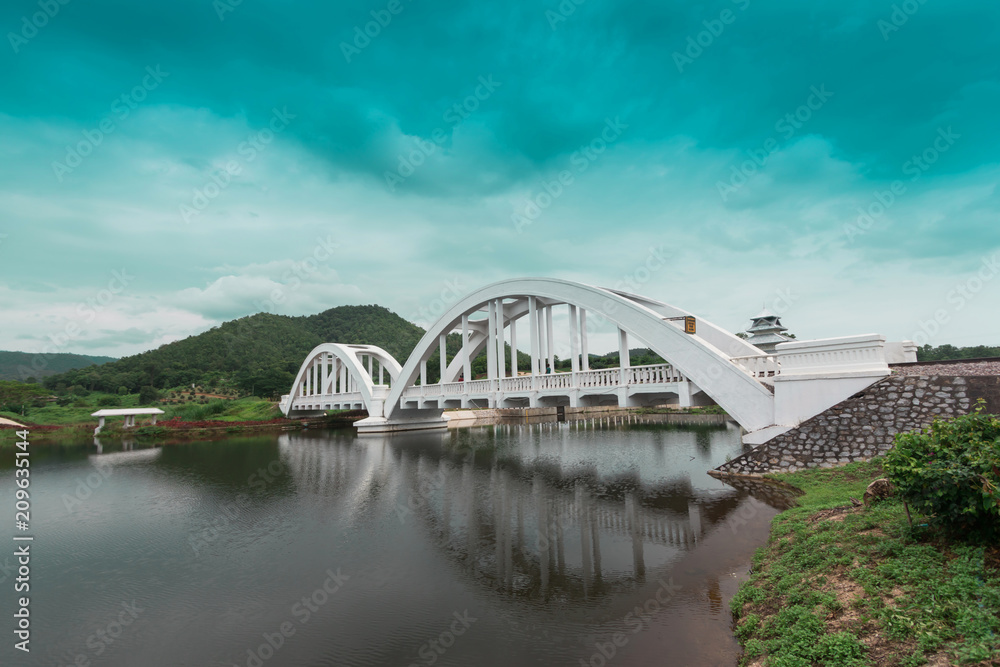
[
  {"x": 319, "y": 399},
  {"x": 605, "y": 377},
  {"x": 655, "y": 374},
  {"x": 761, "y": 366}
]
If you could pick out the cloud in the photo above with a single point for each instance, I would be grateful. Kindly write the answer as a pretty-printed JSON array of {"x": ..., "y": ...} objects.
[{"x": 320, "y": 182}]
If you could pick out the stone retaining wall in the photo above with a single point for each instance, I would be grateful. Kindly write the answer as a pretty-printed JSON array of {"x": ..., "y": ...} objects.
[{"x": 865, "y": 425}]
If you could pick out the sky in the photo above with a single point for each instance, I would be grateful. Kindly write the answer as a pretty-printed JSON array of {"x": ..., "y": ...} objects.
[{"x": 169, "y": 166}]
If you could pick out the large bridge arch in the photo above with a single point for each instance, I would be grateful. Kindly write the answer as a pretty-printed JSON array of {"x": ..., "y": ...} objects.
[{"x": 704, "y": 358}]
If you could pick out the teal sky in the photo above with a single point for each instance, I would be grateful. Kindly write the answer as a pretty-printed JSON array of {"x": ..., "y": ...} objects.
[{"x": 169, "y": 166}]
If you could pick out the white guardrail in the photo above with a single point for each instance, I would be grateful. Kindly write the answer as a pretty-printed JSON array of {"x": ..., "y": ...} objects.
[
  {"x": 605, "y": 377},
  {"x": 761, "y": 366}
]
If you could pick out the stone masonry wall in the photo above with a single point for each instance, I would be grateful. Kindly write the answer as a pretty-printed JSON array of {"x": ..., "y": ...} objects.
[{"x": 865, "y": 425}]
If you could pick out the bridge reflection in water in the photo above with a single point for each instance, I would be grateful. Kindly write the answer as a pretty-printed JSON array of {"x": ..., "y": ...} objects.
[{"x": 541, "y": 521}]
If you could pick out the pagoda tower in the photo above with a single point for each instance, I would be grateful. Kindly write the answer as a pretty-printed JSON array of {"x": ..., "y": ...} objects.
[{"x": 765, "y": 331}]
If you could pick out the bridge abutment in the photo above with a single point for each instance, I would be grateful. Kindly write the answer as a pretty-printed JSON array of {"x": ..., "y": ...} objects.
[{"x": 865, "y": 425}]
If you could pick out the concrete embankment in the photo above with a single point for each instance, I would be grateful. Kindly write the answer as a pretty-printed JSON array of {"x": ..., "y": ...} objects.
[
  {"x": 866, "y": 424},
  {"x": 488, "y": 416}
]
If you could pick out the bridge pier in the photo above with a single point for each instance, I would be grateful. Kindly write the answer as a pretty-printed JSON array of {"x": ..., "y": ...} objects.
[{"x": 412, "y": 419}]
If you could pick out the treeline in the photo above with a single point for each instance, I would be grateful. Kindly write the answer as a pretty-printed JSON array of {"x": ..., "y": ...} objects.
[
  {"x": 945, "y": 352},
  {"x": 258, "y": 354},
  {"x": 28, "y": 367}
]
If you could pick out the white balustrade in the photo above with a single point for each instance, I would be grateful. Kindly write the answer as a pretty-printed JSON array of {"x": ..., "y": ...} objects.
[
  {"x": 759, "y": 366},
  {"x": 860, "y": 355},
  {"x": 606, "y": 377}
]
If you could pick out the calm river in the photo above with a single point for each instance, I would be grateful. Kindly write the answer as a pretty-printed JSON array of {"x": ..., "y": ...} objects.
[{"x": 579, "y": 543}]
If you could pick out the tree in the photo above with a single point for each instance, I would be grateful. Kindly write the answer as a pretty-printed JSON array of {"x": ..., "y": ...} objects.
[{"x": 148, "y": 395}]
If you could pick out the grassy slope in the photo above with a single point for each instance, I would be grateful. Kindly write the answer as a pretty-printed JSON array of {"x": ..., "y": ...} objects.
[{"x": 839, "y": 585}]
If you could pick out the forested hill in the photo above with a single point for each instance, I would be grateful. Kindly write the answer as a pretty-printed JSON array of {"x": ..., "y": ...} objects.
[
  {"x": 24, "y": 365},
  {"x": 259, "y": 353}
]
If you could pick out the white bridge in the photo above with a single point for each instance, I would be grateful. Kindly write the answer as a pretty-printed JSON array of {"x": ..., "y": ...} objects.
[{"x": 766, "y": 394}]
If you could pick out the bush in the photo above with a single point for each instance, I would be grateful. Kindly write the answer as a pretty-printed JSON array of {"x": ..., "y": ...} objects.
[
  {"x": 148, "y": 395},
  {"x": 108, "y": 401},
  {"x": 123, "y": 390},
  {"x": 951, "y": 473}
]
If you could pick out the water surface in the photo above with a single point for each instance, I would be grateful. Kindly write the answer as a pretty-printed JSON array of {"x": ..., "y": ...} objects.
[{"x": 546, "y": 544}]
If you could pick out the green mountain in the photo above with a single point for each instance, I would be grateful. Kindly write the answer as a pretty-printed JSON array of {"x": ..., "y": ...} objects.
[
  {"x": 257, "y": 354},
  {"x": 23, "y": 365}
]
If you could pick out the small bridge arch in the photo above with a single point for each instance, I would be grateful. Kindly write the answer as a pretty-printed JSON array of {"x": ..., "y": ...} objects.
[{"x": 337, "y": 376}]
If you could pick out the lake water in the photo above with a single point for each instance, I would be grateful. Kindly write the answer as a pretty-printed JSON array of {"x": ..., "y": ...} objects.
[{"x": 588, "y": 542}]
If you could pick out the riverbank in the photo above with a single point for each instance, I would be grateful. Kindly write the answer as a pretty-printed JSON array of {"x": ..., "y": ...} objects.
[
  {"x": 175, "y": 428},
  {"x": 63, "y": 424},
  {"x": 839, "y": 584}
]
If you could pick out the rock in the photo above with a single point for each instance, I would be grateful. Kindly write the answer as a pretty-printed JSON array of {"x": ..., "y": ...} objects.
[{"x": 879, "y": 490}]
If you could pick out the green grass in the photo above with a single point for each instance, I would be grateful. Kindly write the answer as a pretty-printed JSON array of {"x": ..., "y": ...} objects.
[
  {"x": 848, "y": 586},
  {"x": 244, "y": 409}
]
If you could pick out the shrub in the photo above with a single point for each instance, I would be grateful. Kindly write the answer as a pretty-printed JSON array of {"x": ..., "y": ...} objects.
[
  {"x": 123, "y": 390},
  {"x": 950, "y": 472},
  {"x": 108, "y": 401},
  {"x": 148, "y": 395}
]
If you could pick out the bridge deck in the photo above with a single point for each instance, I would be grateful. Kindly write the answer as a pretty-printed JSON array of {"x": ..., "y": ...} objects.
[{"x": 659, "y": 380}]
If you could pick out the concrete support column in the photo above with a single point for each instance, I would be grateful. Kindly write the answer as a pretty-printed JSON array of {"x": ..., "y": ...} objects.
[
  {"x": 533, "y": 334},
  {"x": 549, "y": 346},
  {"x": 325, "y": 375},
  {"x": 574, "y": 341},
  {"x": 343, "y": 377},
  {"x": 491, "y": 343},
  {"x": 513, "y": 349},
  {"x": 623, "y": 358},
  {"x": 443, "y": 346},
  {"x": 584, "y": 349},
  {"x": 501, "y": 352},
  {"x": 684, "y": 394},
  {"x": 381, "y": 373},
  {"x": 369, "y": 365},
  {"x": 423, "y": 372},
  {"x": 466, "y": 352}
]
